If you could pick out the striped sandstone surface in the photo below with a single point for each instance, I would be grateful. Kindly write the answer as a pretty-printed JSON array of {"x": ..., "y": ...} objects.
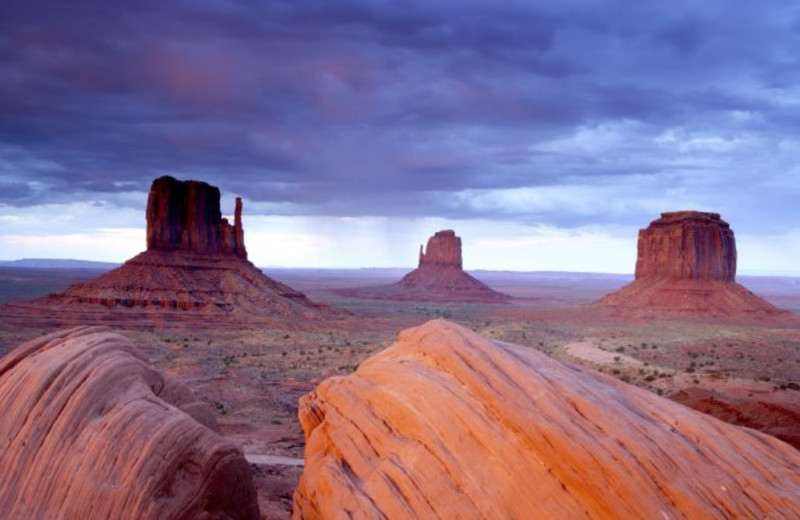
[{"x": 447, "y": 424}]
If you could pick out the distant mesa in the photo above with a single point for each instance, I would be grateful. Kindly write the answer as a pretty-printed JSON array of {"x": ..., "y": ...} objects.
[
  {"x": 91, "y": 430},
  {"x": 686, "y": 265},
  {"x": 447, "y": 424},
  {"x": 438, "y": 278},
  {"x": 195, "y": 269}
]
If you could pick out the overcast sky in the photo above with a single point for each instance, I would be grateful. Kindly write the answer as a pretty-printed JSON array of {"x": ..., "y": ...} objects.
[{"x": 545, "y": 133}]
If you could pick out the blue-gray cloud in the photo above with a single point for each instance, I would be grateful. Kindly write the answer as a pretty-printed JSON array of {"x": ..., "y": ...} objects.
[{"x": 405, "y": 108}]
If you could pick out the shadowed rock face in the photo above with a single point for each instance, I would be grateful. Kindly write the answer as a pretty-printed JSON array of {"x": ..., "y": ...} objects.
[
  {"x": 185, "y": 216},
  {"x": 687, "y": 245},
  {"x": 446, "y": 424},
  {"x": 686, "y": 266},
  {"x": 90, "y": 430}
]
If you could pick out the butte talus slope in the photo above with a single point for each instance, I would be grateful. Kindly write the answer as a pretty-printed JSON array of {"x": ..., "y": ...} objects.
[
  {"x": 439, "y": 277},
  {"x": 447, "y": 424},
  {"x": 195, "y": 269},
  {"x": 686, "y": 266},
  {"x": 90, "y": 430}
]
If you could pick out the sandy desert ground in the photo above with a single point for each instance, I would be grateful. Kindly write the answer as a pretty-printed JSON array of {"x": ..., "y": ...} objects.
[{"x": 748, "y": 373}]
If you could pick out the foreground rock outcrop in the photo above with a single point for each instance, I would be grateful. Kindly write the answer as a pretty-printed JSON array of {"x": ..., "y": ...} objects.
[
  {"x": 195, "y": 269},
  {"x": 438, "y": 278},
  {"x": 446, "y": 424},
  {"x": 90, "y": 430},
  {"x": 686, "y": 266}
]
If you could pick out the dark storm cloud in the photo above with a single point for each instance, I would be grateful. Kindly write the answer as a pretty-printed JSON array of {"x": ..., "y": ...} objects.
[{"x": 393, "y": 108}]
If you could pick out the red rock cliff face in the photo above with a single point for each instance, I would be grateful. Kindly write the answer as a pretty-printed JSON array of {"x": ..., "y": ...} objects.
[
  {"x": 444, "y": 248},
  {"x": 687, "y": 245},
  {"x": 185, "y": 216}
]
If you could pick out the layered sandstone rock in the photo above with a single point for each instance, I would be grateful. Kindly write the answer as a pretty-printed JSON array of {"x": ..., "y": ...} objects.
[
  {"x": 90, "y": 430},
  {"x": 444, "y": 250},
  {"x": 185, "y": 216},
  {"x": 687, "y": 245},
  {"x": 446, "y": 424},
  {"x": 195, "y": 269},
  {"x": 686, "y": 265},
  {"x": 439, "y": 277}
]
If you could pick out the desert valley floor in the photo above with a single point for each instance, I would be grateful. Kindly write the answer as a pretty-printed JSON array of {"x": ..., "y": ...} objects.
[{"x": 743, "y": 372}]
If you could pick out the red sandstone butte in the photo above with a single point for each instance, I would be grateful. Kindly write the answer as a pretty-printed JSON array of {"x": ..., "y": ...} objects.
[
  {"x": 90, "y": 430},
  {"x": 447, "y": 424},
  {"x": 185, "y": 216},
  {"x": 195, "y": 270},
  {"x": 686, "y": 266},
  {"x": 438, "y": 278},
  {"x": 444, "y": 250}
]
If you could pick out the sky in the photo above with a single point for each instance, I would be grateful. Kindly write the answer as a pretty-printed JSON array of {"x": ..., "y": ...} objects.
[{"x": 546, "y": 134}]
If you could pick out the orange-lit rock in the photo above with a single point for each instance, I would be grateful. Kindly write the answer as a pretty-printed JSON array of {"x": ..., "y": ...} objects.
[
  {"x": 447, "y": 424},
  {"x": 90, "y": 430},
  {"x": 686, "y": 266}
]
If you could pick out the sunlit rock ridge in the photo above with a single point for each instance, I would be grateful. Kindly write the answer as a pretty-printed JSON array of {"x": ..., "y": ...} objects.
[{"x": 447, "y": 424}]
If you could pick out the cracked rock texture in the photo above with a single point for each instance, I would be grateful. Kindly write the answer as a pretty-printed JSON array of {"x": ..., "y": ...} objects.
[
  {"x": 447, "y": 424},
  {"x": 90, "y": 430}
]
